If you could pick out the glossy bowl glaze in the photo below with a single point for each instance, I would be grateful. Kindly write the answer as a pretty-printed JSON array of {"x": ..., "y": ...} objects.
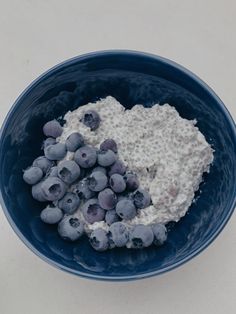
[{"x": 131, "y": 77}]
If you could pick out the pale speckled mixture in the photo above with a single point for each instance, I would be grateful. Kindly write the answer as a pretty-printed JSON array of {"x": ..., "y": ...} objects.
[{"x": 168, "y": 153}]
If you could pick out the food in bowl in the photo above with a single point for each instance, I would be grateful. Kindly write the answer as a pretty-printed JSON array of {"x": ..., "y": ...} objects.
[{"x": 119, "y": 175}]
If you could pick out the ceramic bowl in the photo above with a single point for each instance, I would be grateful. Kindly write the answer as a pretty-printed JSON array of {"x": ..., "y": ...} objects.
[{"x": 131, "y": 77}]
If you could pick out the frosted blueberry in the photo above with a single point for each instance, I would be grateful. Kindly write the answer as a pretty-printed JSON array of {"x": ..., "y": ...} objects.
[
  {"x": 91, "y": 119},
  {"x": 111, "y": 217},
  {"x": 68, "y": 171},
  {"x": 70, "y": 228},
  {"x": 106, "y": 157},
  {"x": 99, "y": 240},
  {"x": 97, "y": 181},
  {"x": 107, "y": 199},
  {"x": 132, "y": 182},
  {"x": 118, "y": 234},
  {"x": 53, "y": 172},
  {"x": 117, "y": 167},
  {"x": 160, "y": 234},
  {"x": 51, "y": 215},
  {"x": 86, "y": 156},
  {"x": 52, "y": 128},
  {"x": 37, "y": 192},
  {"x": 33, "y": 175},
  {"x": 55, "y": 152},
  {"x": 92, "y": 211},
  {"x": 109, "y": 144},
  {"x": 53, "y": 188},
  {"x": 117, "y": 183},
  {"x": 48, "y": 141},
  {"x": 74, "y": 141},
  {"x": 82, "y": 189},
  {"x": 125, "y": 209},
  {"x": 69, "y": 203},
  {"x": 141, "y": 198},
  {"x": 43, "y": 163},
  {"x": 141, "y": 236}
]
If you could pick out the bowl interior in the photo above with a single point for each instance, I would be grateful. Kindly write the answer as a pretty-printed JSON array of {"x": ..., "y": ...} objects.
[{"x": 131, "y": 78}]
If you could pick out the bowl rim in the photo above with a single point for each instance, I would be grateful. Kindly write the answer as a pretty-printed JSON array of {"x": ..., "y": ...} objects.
[{"x": 131, "y": 53}]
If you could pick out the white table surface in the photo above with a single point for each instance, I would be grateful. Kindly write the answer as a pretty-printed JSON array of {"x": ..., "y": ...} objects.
[{"x": 35, "y": 35}]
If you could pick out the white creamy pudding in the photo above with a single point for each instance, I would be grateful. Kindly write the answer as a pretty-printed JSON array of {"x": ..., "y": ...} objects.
[{"x": 168, "y": 153}]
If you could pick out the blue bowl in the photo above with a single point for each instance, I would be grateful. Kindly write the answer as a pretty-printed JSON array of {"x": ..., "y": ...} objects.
[{"x": 131, "y": 77}]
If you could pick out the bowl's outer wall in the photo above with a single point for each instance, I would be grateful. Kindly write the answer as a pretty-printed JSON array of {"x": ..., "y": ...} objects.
[{"x": 131, "y": 78}]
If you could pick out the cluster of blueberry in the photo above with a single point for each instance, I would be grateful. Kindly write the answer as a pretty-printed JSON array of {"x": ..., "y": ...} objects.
[{"x": 97, "y": 178}]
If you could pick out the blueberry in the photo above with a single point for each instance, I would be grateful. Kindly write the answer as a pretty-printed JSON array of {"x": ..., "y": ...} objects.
[
  {"x": 141, "y": 236},
  {"x": 68, "y": 171},
  {"x": 70, "y": 228},
  {"x": 55, "y": 152},
  {"x": 82, "y": 189},
  {"x": 48, "y": 141},
  {"x": 33, "y": 175},
  {"x": 106, "y": 157},
  {"x": 52, "y": 128},
  {"x": 117, "y": 167},
  {"x": 118, "y": 234},
  {"x": 101, "y": 169},
  {"x": 109, "y": 144},
  {"x": 97, "y": 181},
  {"x": 107, "y": 199},
  {"x": 117, "y": 183},
  {"x": 86, "y": 156},
  {"x": 37, "y": 192},
  {"x": 53, "y": 172},
  {"x": 132, "y": 182},
  {"x": 43, "y": 163},
  {"x": 99, "y": 240},
  {"x": 69, "y": 203},
  {"x": 160, "y": 234},
  {"x": 74, "y": 141},
  {"x": 91, "y": 119},
  {"x": 111, "y": 217},
  {"x": 51, "y": 215},
  {"x": 142, "y": 198},
  {"x": 125, "y": 209},
  {"x": 92, "y": 211},
  {"x": 53, "y": 188}
]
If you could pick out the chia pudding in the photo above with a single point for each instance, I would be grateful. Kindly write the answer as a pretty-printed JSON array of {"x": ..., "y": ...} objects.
[{"x": 168, "y": 153}]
